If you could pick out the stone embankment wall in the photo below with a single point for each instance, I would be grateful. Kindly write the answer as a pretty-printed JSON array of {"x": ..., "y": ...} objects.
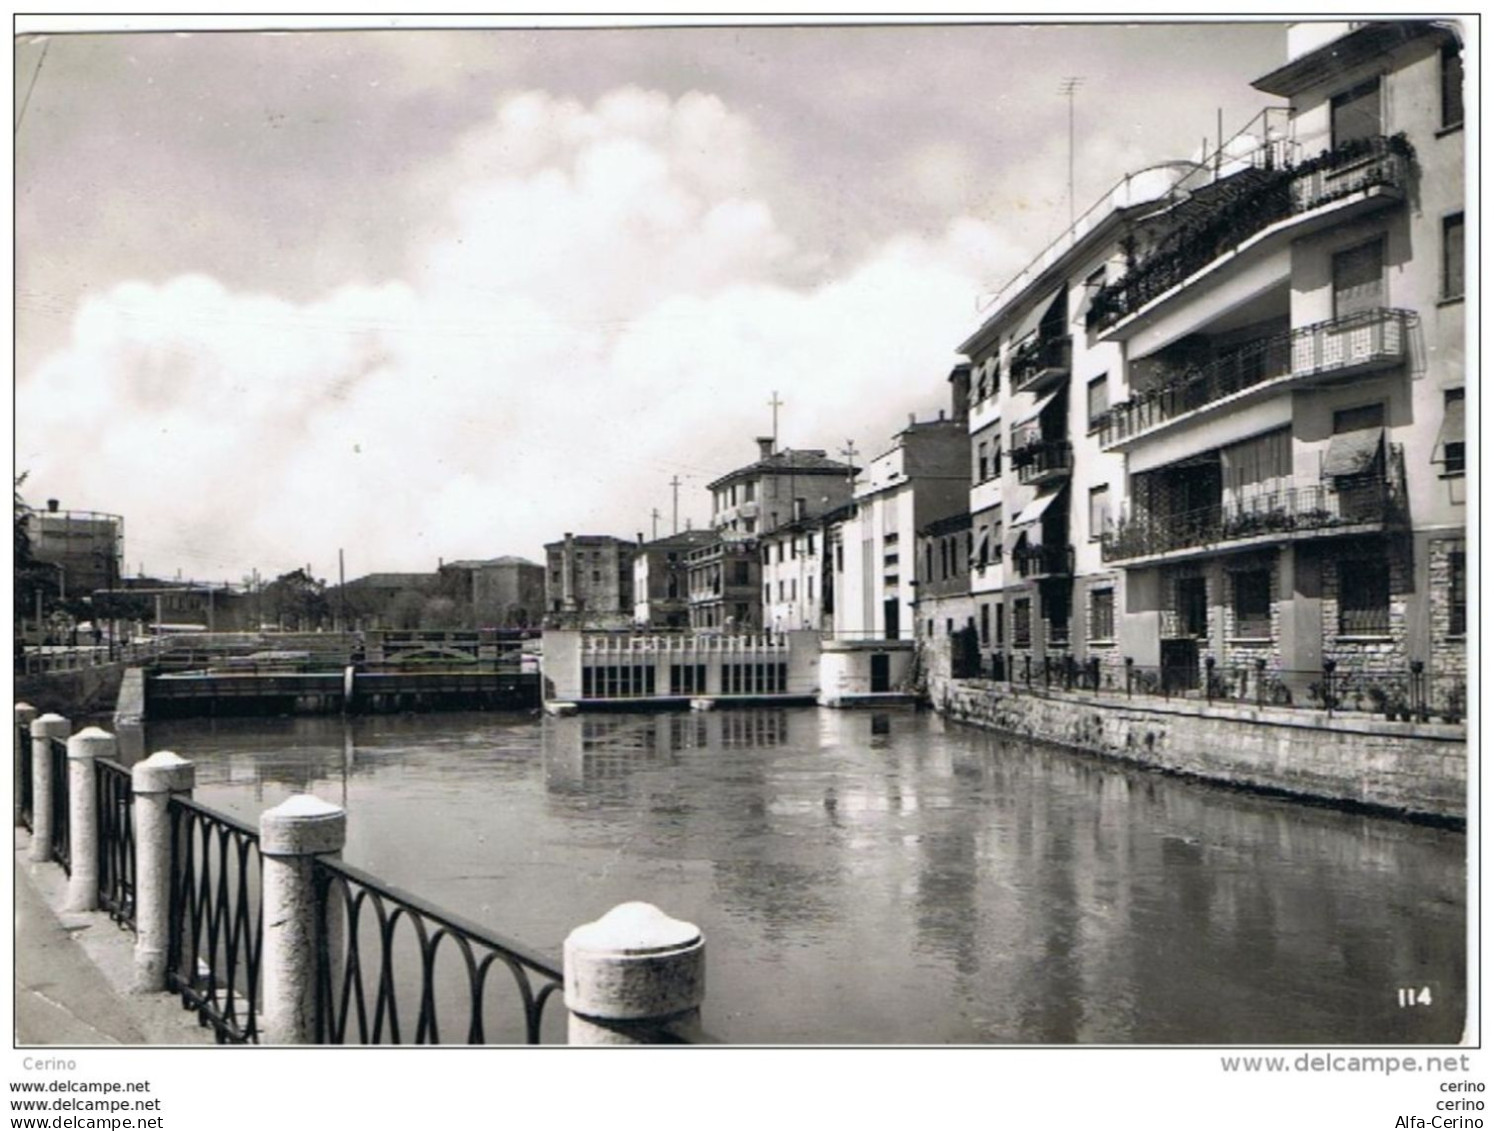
[
  {"x": 1414, "y": 768},
  {"x": 85, "y": 691}
]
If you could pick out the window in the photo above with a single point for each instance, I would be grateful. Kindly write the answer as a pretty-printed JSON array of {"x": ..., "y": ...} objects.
[
  {"x": 1359, "y": 279},
  {"x": 1099, "y": 512},
  {"x": 1356, "y": 113},
  {"x": 1102, "y": 614},
  {"x": 1099, "y": 400},
  {"x": 1452, "y": 85},
  {"x": 809, "y": 544},
  {"x": 1364, "y": 597},
  {"x": 981, "y": 465},
  {"x": 1257, "y": 462},
  {"x": 793, "y": 589},
  {"x": 985, "y": 625},
  {"x": 809, "y": 588},
  {"x": 749, "y": 492},
  {"x": 1359, "y": 418},
  {"x": 749, "y": 525},
  {"x": 1000, "y": 625},
  {"x": 996, "y": 456},
  {"x": 1253, "y": 604},
  {"x": 1451, "y": 452},
  {"x": 741, "y": 573},
  {"x": 780, "y": 589},
  {"x": 1452, "y": 256},
  {"x": 1022, "y": 622},
  {"x": 1457, "y": 608},
  {"x": 767, "y": 592},
  {"x": 780, "y": 551}
]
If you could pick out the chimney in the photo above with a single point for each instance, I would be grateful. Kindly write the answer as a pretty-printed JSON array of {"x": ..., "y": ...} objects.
[
  {"x": 912, "y": 419},
  {"x": 764, "y": 447},
  {"x": 52, "y": 505},
  {"x": 640, "y": 538},
  {"x": 959, "y": 393},
  {"x": 799, "y": 509},
  {"x": 941, "y": 416}
]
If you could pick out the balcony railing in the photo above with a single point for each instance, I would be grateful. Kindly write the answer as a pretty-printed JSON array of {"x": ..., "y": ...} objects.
[
  {"x": 1043, "y": 460},
  {"x": 1041, "y": 360},
  {"x": 1044, "y": 561},
  {"x": 1367, "y": 339},
  {"x": 1306, "y": 509},
  {"x": 1260, "y": 199}
]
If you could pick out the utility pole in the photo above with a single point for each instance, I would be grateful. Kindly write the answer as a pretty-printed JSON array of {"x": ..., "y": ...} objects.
[
  {"x": 1067, "y": 88},
  {"x": 849, "y": 451},
  {"x": 342, "y": 596},
  {"x": 675, "y": 484},
  {"x": 775, "y": 404},
  {"x": 655, "y": 514}
]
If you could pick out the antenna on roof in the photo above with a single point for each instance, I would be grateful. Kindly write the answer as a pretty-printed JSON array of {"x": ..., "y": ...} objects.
[
  {"x": 775, "y": 404},
  {"x": 1068, "y": 87}
]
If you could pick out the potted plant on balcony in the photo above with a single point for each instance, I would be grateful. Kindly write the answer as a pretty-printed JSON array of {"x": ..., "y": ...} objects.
[
  {"x": 1380, "y": 700},
  {"x": 1453, "y": 705}
]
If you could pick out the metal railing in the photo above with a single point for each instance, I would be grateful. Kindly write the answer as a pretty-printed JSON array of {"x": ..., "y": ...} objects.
[
  {"x": 392, "y": 965},
  {"x": 1259, "y": 199},
  {"x": 1412, "y": 695},
  {"x": 1366, "y": 338},
  {"x": 216, "y": 920},
  {"x": 114, "y": 797},
  {"x": 1044, "y": 357},
  {"x": 62, "y": 840},
  {"x": 1042, "y": 459},
  {"x": 1302, "y": 509},
  {"x": 1044, "y": 561},
  {"x": 24, "y": 790}
]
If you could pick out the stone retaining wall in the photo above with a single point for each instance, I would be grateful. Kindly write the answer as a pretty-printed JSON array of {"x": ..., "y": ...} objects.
[{"x": 1414, "y": 768}]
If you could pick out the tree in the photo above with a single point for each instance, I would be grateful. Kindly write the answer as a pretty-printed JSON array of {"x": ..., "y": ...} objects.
[
  {"x": 32, "y": 577},
  {"x": 296, "y": 600}
]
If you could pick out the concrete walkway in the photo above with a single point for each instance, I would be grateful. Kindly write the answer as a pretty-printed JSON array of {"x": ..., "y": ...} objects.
[{"x": 73, "y": 973}]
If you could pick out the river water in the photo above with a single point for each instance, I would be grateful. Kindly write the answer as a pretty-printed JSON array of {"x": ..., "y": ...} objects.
[{"x": 889, "y": 877}]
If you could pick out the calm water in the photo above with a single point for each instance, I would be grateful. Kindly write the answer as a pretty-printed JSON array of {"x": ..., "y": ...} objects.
[{"x": 890, "y": 878}]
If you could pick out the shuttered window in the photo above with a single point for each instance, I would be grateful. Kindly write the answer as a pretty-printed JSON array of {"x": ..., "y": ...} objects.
[{"x": 1359, "y": 279}]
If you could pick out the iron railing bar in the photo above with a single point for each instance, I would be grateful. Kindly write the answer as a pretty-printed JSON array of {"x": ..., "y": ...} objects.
[{"x": 531, "y": 958}]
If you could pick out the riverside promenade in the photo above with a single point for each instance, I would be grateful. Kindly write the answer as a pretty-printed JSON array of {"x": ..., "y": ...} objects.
[{"x": 73, "y": 972}]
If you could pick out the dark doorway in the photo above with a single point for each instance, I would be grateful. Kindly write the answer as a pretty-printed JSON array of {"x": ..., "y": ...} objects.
[
  {"x": 889, "y": 614},
  {"x": 881, "y": 672},
  {"x": 1179, "y": 665},
  {"x": 1193, "y": 607}
]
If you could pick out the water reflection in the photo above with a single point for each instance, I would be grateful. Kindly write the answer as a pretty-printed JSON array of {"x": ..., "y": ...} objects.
[{"x": 889, "y": 877}]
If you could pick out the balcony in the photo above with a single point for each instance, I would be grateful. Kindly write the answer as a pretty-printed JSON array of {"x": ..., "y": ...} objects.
[
  {"x": 1351, "y": 505},
  {"x": 1043, "y": 561},
  {"x": 1247, "y": 204},
  {"x": 1041, "y": 363},
  {"x": 1043, "y": 461},
  {"x": 1339, "y": 347}
]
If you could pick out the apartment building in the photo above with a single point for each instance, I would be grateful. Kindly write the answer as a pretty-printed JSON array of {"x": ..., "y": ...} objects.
[
  {"x": 793, "y": 568},
  {"x": 661, "y": 586},
  {"x": 1231, "y": 399},
  {"x": 779, "y": 487},
  {"x": 723, "y": 576}
]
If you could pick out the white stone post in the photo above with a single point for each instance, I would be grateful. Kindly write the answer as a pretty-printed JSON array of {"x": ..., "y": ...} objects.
[
  {"x": 25, "y": 712},
  {"x": 153, "y": 782},
  {"x": 83, "y": 815},
  {"x": 291, "y": 835},
  {"x": 632, "y": 974},
  {"x": 43, "y": 730}
]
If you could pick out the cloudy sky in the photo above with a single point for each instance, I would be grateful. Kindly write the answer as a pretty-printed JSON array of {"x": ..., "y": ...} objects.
[{"x": 444, "y": 294}]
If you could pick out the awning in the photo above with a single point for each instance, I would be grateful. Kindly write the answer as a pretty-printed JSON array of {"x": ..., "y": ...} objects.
[
  {"x": 1029, "y": 324},
  {"x": 1452, "y": 428},
  {"x": 1353, "y": 453},
  {"x": 1034, "y": 510},
  {"x": 1037, "y": 409},
  {"x": 980, "y": 555}
]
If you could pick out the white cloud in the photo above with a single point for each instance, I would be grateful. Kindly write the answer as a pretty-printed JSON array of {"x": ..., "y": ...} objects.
[{"x": 600, "y": 306}]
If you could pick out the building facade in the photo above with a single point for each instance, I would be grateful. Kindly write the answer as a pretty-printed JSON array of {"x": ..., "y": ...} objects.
[
  {"x": 793, "y": 576},
  {"x": 923, "y": 477},
  {"x": 589, "y": 582},
  {"x": 1292, "y": 421},
  {"x": 503, "y": 592},
  {"x": 724, "y": 579},
  {"x": 780, "y": 487},
  {"x": 1217, "y": 430},
  {"x": 661, "y": 579},
  {"x": 86, "y": 548}
]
